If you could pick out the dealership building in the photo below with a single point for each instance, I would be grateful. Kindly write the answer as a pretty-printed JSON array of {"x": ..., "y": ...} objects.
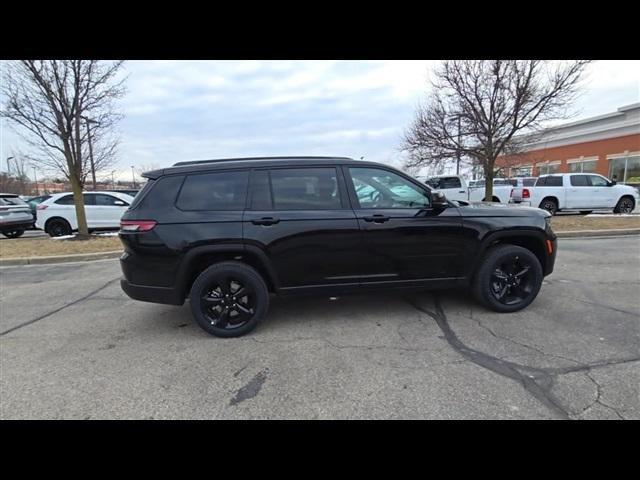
[{"x": 607, "y": 144}]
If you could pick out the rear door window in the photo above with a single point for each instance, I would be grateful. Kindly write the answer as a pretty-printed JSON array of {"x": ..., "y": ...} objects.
[
  {"x": 221, "y": 191},
  {"x": 66, "y": 200},
  {"x": 305, "y": 189}
]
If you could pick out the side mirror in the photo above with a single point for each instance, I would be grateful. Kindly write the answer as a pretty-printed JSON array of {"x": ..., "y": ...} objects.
[
  {"x": 438, "y": 200},
  {"x": 119, "y": 203},
  {"x": 611, "y": 183}
]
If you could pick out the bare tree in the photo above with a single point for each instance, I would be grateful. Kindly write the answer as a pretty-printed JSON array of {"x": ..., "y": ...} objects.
[
  {"x": 481, "y": 109},
  {"x": 51, "y": 102}
]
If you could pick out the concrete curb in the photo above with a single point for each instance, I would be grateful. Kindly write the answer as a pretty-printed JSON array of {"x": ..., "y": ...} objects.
[
  {"x": 78, "y": 257},
  {"x": 599, "y": 233}
]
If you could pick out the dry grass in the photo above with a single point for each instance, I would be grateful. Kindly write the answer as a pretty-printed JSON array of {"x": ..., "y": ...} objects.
[
  {"x": 41, "y": 247},
  {"x": 564, "y": 223}
]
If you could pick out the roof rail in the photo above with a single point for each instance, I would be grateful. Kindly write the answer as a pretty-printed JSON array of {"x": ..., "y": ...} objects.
[{"x": 199, "y": 162}]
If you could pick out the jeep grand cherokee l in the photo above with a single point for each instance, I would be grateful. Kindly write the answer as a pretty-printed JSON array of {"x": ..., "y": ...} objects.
[{"x": 228, "y": 233}]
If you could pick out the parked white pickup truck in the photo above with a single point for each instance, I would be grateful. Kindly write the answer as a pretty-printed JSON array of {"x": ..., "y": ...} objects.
[
  {"x": 577, "y": 191},
  {"x": 455, "y": 188}
]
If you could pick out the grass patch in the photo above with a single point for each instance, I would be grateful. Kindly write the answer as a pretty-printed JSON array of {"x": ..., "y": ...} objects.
[
  {"x": 44, "y": 247},
  {"x": 565, "y": 223}
]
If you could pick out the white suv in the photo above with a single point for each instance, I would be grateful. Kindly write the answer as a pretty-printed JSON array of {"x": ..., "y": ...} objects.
[
  {"x": 578, "y": 191},
  {"x": 57, "y": 215}
]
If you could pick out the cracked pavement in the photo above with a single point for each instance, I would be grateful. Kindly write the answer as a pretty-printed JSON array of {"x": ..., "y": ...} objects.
[{"x": 73, "y": 346}]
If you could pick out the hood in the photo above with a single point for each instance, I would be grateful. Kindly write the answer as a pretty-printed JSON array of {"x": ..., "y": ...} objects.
[{"x": 480, "y": 209}]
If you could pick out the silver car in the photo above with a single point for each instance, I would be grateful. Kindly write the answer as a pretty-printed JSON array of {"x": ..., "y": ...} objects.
[{"x": 15, "y": 215}]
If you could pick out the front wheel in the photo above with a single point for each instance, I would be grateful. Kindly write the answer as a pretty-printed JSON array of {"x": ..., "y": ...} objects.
[
  {"x": 13, "y": 233},
  {"x": 625, "y": 205},
  {"x": 508, "y": 279},
  {"x": 228, "y": 299}
]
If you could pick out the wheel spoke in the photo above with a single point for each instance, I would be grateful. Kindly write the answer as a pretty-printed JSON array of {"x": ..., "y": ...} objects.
[
  {"x": 525, "y": 269},
  {"x": 241, "y": 308},
  {"x": 211, "y": 301},
  {"x": 241, "y": 292},
  {"x": 223, "y": 319},
  {"x": 498, "y": 273}
]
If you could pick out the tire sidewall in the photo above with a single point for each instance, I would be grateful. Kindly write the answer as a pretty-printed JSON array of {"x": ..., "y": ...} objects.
[
  {"x": 482, "y": 280},
  {"x": 242, "y": 272},
  {"x": 13, "y": 233}
]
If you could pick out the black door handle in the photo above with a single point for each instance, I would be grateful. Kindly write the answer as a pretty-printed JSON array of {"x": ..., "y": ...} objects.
[
  {"x": 265, "y": 221},
  {"x": 376, "y": 218}
]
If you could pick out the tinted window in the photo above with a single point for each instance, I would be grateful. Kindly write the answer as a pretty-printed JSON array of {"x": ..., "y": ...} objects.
[
  {"x": 89, "y": 199},
  {"x": 261, "y": 191},
  {"x": 529, "y": 182},
  {"x": 445, "y": 182},
  {"x": 377, "y": 188},
  {"x": 109, "y": 201},
  {"x": 549, "y": 182},
  {"x": 597, "y": 181},
  {"x": 66, "y": 200},
  {"x": 579, "y": 181},
  {"x": 305, "y": 189},
  {"x": 214, "y": 191}
]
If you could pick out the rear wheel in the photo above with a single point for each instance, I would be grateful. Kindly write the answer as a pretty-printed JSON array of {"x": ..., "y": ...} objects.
[
  {"x": 228, "y": 299},
  {"x": 13, "y": 233},
  {"x": 625, "y": 205},
  {"x": 508, "y": 279},
  {"x": 58, "y": 227},
  {"x": 550, "y": 205}
]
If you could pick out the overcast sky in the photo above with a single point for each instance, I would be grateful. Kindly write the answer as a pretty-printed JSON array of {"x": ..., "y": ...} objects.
[{"x": 188, "y": 110}]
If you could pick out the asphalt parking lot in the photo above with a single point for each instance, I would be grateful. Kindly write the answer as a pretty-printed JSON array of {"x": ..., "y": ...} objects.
[{"x": 73, "y": 346}]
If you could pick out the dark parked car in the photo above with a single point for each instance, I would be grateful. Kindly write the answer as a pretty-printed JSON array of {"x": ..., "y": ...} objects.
[{"x": 228, "y": 233}]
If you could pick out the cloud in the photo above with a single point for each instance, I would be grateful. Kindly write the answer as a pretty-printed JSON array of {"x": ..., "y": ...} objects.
[{"x": 186, "y": 110}]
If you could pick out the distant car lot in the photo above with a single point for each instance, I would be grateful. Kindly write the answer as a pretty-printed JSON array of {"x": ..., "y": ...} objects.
[{"x": 72, "y": 345}]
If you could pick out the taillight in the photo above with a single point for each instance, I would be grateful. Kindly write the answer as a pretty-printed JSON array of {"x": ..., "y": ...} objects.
[
  {"x": 41, "y": 207},
  {"x": 525, "y": 193},
  {"x": 137, "y": 225}
]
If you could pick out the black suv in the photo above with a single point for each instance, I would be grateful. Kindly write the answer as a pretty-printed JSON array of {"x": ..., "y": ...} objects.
[{"x": 228, "y": 233}]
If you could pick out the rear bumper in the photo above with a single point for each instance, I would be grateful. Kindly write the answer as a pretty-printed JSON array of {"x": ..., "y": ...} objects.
[
  {"x": 145, "y": 293},
  {"x": 16, "y": 225}
]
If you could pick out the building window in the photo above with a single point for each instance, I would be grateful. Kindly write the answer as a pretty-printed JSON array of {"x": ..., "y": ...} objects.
[
  {"x": 625, "y": 169},
  {"x": 582, "y": 166},
  {"x": 522, "y": 171},
  {"x": 547, "y": 168}
]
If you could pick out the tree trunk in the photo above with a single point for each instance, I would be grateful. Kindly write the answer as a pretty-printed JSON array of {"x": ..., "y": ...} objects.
[
  {"x": 78, "y": 200},
  {"x": 488, "y": 181}
]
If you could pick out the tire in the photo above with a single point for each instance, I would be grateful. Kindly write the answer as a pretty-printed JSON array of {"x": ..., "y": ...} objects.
[
  {"x": 625, "y": 205},
  {"x": 214, "y": 291},
  {"x": 58, "y": 227},
  {"x": 585, "y": 212},
  {"x": 493, "y": 199},
  {"x": 518, "y": 289},
  {"x": 550, "y": 205},
  {"x": 13, "y": 233}
]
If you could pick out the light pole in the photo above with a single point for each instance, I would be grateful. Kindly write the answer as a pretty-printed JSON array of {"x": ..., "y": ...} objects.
[
  {"x": 88, "y": 121},
  {"x": 113, "y": 180},
  {"x": 133, "y": 175},
  {"x": 8, "y": 170},
  {"x": 35, "y": 178}
]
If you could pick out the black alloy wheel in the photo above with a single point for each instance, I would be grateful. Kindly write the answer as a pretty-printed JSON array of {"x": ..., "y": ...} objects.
[{"x": 228, "y": 299}]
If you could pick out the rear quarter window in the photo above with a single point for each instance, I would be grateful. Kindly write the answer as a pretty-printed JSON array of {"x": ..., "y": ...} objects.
[{"x": 214, "y": 191}]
